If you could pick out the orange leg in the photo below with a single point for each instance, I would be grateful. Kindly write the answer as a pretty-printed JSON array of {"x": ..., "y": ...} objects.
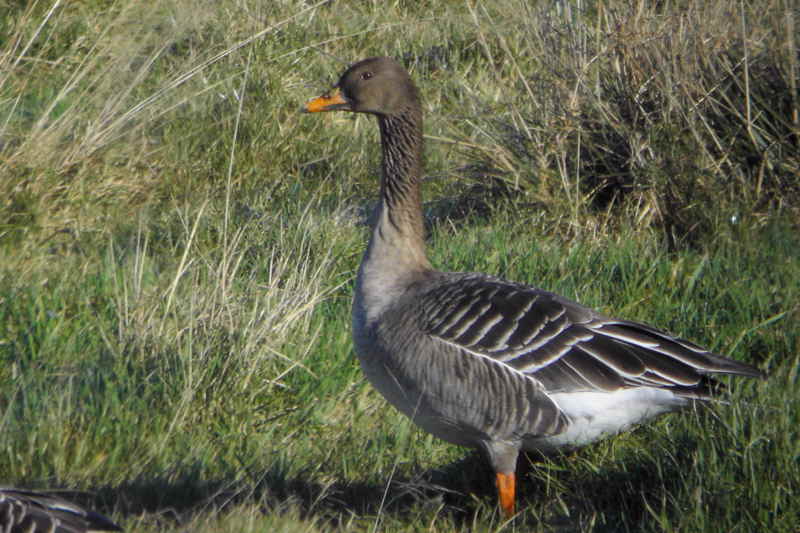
[{"x": 505, "y": 492}]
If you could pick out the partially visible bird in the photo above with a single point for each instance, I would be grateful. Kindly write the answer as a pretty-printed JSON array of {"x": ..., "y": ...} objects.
[{"x": 25, "y": 511}]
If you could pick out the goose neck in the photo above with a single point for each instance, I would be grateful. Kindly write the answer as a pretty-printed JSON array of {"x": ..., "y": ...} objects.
[
  {"x": 398, "y": 220},
  {"x": 395, "y": 256}
]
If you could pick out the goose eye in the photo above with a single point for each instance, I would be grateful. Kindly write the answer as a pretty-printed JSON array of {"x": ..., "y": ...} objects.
[{"x": 366, "y": 75}]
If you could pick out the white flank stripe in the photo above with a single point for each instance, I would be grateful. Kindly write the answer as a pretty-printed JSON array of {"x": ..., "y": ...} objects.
[
  {"x": 623, "y": 338},
  {"x": 608, "y": 361},
  {"x": 453, "y": 318},
  {"x": 496, "y": 362},
  {"x": 487, "y": 325},
  {"x": 468, "y": 324},
  {"x": 548, "y": 320}
]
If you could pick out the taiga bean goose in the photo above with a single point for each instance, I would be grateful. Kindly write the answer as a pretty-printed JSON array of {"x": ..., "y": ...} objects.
[
  {"x": 24, "y": 511},
  {"x": 483, "y": 362}
]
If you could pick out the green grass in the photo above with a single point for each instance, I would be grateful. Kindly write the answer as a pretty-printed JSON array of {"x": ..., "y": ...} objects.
[{"x": 178, "y": 246}]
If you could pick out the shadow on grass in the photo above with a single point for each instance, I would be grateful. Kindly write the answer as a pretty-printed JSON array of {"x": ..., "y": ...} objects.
[
  {"x": 558, "y": 495},
  {"x": 169, "y": 504}
]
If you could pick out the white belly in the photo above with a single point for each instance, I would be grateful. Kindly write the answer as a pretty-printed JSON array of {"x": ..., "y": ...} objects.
[{"x": 596, "y": 415}]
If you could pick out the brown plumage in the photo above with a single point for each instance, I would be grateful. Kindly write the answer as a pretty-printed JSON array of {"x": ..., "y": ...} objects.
[{"x": 483, "y": 362}]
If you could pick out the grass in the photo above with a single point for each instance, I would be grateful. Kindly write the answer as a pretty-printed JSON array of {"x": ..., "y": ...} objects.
[{"x": 179, "y": 246}]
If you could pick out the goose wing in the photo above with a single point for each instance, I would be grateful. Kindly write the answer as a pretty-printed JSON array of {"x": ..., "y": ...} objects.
[
  {"x": 563, "y": 345},
  {"x": 34, "y": 512}
]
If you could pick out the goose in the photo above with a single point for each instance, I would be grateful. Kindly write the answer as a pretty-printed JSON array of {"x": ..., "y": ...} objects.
[
  {"x": 25, "y": 511},
  {"x": 479, "y": 361}
]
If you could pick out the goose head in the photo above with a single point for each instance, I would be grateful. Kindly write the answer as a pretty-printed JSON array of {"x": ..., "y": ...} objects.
[{"x": 376, "y": 85}]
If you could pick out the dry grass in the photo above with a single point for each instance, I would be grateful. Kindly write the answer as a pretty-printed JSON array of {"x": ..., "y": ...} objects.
[{"x": 672, "y": 112}]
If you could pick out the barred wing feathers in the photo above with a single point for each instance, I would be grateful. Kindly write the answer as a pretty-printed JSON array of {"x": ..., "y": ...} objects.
[
  {"x": 35, "y": 512},
  {"x": 563, "y": 345}
]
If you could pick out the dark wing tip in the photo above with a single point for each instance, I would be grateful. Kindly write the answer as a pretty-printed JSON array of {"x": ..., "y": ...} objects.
[
  {"x": 724, "y": 365},
  {"x": 655, "y": 342},
  {"x": 98, "y": 522}
]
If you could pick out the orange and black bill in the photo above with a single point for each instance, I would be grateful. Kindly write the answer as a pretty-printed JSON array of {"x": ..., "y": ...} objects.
[{"x": 330, "y": 101}]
